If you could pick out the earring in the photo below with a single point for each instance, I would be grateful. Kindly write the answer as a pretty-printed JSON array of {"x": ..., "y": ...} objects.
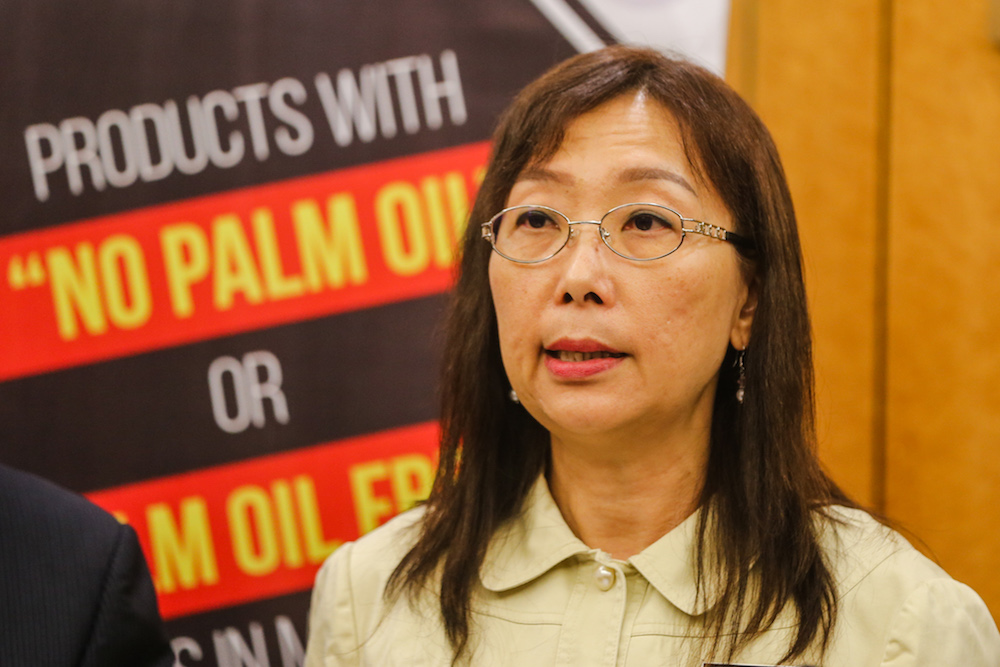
[
  {"x": 513, "y": 397},
  {"x": 741, "y": 381}
]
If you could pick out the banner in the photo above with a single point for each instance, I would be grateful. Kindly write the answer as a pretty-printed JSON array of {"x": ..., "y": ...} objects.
[{"x": 227, "y": 236}]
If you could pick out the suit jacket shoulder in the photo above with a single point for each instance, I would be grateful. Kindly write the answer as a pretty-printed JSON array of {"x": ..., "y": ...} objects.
[{"x": 74, "y": 587}]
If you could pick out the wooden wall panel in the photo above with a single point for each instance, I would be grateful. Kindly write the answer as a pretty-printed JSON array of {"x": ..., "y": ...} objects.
[
  {"x": 943, "y": 446},
  {"x": 811, "y": 71},
  {"x": 887, "y": 115}
]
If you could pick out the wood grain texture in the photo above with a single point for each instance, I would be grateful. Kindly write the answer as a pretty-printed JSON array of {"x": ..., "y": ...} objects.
[
  {"x": 943, "y": 445},
  {"x": 887, "y": 115},
  {"x": 811, "y": 71}
]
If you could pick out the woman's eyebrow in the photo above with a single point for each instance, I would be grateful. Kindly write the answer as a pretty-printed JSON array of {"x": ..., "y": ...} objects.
[
  {"x": 653, "y": 174},
  {"x": 629, "y": 175},
  {"x": 539, "y": 173}
]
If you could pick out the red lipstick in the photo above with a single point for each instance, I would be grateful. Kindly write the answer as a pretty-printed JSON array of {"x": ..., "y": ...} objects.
[{"x": 576, "y": 359}]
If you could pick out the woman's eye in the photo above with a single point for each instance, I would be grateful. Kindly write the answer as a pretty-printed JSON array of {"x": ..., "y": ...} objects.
[
  {"x": 646, "y": 222},
  {"x": 534, "y": 220}
]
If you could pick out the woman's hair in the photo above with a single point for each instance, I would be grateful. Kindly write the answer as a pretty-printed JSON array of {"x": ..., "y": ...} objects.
[{"x": 763, "y": 480}]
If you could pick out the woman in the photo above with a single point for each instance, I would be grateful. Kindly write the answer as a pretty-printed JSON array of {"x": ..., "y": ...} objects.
[{"x": 627, "y": 465}]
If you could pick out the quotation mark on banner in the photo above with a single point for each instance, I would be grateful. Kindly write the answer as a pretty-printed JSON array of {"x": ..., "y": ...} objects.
[{"x": 22, "y": 274}]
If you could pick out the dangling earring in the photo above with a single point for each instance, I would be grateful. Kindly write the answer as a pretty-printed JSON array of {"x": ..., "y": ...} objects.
[
  {"x": 741, "y": 380},
  {"x": 513, "y": 397}
]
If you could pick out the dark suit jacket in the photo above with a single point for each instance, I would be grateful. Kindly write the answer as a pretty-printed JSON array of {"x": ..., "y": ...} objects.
[{"x": 74, "y": 586}]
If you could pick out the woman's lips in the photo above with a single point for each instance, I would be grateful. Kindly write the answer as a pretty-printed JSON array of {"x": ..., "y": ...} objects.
[{"x": 572, "y": 360}]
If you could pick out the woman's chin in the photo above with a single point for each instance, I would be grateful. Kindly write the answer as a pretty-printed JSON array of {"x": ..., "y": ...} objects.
[{"x": 579, "y": 419}]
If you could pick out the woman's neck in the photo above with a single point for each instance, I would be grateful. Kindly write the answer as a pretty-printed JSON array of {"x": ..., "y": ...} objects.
[{"x": 621, "y": 500}]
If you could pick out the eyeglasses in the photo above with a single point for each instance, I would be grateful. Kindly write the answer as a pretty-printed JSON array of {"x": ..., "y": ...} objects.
[{"x": 642, "y": 232}]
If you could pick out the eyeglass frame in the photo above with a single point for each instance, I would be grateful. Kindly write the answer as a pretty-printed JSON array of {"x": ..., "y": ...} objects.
[{"x": 700, "y": 227}]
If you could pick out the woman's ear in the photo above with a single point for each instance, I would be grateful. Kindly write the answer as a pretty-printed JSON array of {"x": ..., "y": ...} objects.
[{"x": 743, "y": 322}]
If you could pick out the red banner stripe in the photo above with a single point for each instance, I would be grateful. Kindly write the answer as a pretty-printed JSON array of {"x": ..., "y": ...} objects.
[
  {"x": 233, "y": 262},
  {"x": 261, "y": 528}
]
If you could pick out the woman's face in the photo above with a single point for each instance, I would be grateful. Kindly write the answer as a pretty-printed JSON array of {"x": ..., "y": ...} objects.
[{"x": 596, "y": 344}]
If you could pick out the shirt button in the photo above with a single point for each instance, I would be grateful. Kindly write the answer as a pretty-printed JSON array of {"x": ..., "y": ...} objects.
[{"x": 605, "y": 577}]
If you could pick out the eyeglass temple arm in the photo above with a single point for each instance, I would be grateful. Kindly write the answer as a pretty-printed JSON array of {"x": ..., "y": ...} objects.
[{"x": 721, "y": 233}]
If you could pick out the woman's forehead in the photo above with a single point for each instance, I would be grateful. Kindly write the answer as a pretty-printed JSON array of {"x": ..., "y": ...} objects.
[{"x": 632, "y": 138}]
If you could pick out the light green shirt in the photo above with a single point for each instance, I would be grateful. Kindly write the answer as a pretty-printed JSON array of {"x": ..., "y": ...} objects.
[{"x": 548, "y": 599}]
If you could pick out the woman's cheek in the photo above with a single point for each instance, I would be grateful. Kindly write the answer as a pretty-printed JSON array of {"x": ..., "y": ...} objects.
[{"x": 518, "y": 346}]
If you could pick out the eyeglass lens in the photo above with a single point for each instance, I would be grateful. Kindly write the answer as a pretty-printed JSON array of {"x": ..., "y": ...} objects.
[{"x": 637, "y": 231}]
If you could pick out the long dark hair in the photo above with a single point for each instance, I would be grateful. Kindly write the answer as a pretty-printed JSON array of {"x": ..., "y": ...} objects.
[{"x": 763, "y": 484}]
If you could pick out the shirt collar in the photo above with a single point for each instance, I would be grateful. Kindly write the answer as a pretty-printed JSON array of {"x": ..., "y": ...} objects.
[
  {"x": 670, "y": 567},
  {"x": 538, "y": 539},
  {"x": 530, "y": 544}
]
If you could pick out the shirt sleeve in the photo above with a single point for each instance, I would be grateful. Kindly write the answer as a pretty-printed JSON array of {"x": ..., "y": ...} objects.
[
  {"x": 332, "y": 640},
  {"x": 943, "y": 622}
]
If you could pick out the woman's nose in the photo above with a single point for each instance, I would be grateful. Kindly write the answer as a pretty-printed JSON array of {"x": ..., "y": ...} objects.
[{"x": 585, "y": 276}]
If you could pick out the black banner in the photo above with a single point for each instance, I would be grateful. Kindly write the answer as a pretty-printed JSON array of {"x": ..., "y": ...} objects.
[{"x": 227, "y": 232}]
